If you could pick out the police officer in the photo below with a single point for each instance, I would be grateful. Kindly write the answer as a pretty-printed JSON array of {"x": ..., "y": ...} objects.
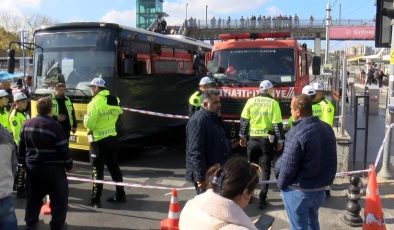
[
  {"x": 316, "y": 108},
  {"x": 102, "y": 114},
  {"x": 63, "y": 110},
  {"x": 263, "y": 117},
  {"x": 194, "y": 100},
  {"x": 4, "y": 99},
  {"x": 327, "y": 108},
  {"x": 17, "y": 118}
]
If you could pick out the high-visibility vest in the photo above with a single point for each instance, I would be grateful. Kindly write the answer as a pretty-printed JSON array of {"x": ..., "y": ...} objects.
[
  {"x": 262, "y": 112},
  {"x": 69, "y": 107},
  {"x": 194, "y": 99},
  {"x": 16, "y": 120},
  {"x": 4, "y": 114},
  {"x": 101, "y": 117},
  {"x": 328, "y": 111}
]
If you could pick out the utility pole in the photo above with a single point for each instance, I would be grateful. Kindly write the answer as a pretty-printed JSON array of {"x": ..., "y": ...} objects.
[
  {"x": 343, "y": 99},
  {"x": 328, "y": 24},
  {"x": 387, "y": 169},
  {"x": 340, "y": 13},
  {"x": 206, "y": 16}
]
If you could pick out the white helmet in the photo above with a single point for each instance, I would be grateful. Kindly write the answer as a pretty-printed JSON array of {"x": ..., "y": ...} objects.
[
  {"x": 308, "y": 90},
  {"x": 318, "y": 86},
  {"x": 3, "y": 93},
  {"x": 264, "y": 85},
  {"x": 205, "y": 81},
  {"x": 20, "y": 96}
]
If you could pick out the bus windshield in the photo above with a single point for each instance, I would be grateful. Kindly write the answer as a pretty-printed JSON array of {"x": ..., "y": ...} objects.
[
  {"x": 249, "y": 66},
  {"x": 73, "y": 57}
]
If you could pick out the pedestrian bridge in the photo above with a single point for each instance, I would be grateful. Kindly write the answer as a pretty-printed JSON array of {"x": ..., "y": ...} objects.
[{"x": 300, "y": 29}]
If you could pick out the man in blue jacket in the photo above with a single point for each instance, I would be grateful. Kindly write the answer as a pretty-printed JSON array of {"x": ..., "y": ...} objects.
[
  {"x": 206, "y": 142},
  {"x": 307, "y": 165}
]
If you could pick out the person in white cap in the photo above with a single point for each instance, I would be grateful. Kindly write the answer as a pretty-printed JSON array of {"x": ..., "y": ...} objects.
[
  {"x": 17, "y": 118},
  {"x": 263, "y": 116},
  {"x": 4, "y": 99},
  {"x": 316, "y": 109},
  {"x": 100, "y": 121},
  {"x": 327, "y": 108},
  {"x": 194, "y": 100}
]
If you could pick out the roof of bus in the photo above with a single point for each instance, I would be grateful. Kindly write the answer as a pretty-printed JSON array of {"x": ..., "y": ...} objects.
[
  {"x": 80, "y": 25},
  {"x": 257, "y": 43}
]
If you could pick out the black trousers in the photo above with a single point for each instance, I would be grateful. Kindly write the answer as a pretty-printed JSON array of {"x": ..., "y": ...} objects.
[
  {"x": 104, "y": 152},
  {"x": 43, "y": 180},
  {"x": 260, "y": 151}
]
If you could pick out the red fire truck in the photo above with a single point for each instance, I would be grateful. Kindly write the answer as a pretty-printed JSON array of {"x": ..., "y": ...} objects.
[{"x": 244, "y": 60}]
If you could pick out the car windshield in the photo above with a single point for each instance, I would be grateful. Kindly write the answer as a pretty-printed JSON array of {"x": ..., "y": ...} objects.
[
  {"x": 73, "y": 58},
  {"x": 249, "y": 66}
]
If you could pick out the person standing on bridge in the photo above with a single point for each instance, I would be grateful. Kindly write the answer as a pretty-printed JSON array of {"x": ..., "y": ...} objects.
[
  {"x": 308, "y": 164},
  {"x": 263, "y": 116},
  {"x": 194, "y": 100},
  {"x": 100, "y": 121},
  {"x": 206, "y": 141}
]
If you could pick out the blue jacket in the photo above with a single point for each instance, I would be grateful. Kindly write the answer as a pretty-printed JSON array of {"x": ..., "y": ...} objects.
[
  {"x": 206, "y": 144},
  {"x": 309, "y": 158}
]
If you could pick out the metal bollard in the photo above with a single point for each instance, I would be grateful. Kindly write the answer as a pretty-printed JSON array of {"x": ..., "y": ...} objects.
[{"x": 352, "y": 216}]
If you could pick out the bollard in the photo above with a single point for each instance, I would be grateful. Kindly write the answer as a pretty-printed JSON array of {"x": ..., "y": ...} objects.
[{"x": 352, "y": 216}]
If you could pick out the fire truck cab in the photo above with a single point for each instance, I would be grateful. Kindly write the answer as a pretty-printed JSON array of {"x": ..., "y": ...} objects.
[{"x": 242, "y": 61}]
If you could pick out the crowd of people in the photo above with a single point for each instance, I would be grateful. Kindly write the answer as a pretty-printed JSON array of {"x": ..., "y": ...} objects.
[
  {"x": 305, "y": 165},
  {"x": 36, "y": 151},
  {"x": 36, "y": 155},
  {"x": 281, "y": 21}
]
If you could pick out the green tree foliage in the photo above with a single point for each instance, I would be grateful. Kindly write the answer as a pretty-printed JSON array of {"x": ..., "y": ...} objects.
[{"x": 5, "y": 39}]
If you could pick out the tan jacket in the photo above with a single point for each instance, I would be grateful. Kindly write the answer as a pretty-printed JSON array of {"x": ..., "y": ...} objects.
[{"x": 210, "y": 211}]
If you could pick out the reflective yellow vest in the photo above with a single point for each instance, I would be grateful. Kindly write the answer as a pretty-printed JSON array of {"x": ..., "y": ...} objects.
[
  {"x": 328, "y": 111},
  {"x": 69, "y": 107},
  {"x": 16, "y": 120},
  {"x": 194, "y": 99},
  {"x": 262, "y": 112},
  {"x": 101, "y": 118},
  {"x": 316, "y": 111},
  {"x": 4, "y": 119}
]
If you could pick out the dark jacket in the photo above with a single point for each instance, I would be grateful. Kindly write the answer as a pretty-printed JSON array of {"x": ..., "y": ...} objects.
[
  {"x": 43, "y": 143},
  {"x": 206, "y": 144},
  {"x": 309, "y": 159}
]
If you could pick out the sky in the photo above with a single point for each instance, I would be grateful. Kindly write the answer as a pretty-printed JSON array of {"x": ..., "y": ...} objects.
[{"x": 124, "y": 11}]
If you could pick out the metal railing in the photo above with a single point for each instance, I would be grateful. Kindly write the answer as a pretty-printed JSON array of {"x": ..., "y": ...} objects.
[{"x": 271, "y": 23}]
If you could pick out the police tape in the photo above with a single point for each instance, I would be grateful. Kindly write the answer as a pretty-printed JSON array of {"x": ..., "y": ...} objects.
[
  {"x": 166, "y": 114},
  {"x": 125, "y": 184},
  {"x": 135, "y": 185}
]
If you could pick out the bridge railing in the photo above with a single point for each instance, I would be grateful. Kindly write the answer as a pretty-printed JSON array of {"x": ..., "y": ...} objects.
[{"x": 273, "y": 23}]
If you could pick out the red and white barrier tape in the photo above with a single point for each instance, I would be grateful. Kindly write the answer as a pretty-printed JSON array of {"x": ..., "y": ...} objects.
[
  {"x": 125, "y": 184},
  {"x": 166, "y": 114},
  {"x": 340, "y": 174}
]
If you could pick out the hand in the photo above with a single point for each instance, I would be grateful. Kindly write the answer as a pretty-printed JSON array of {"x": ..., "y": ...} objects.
[
  {"x": 234, "y": 143},
  {"x": 61, "y": 117},
  {"x": 73, "y": 130},
  {"x": 242, "y": 141},
  {"x": 199, "y": 183},
  {"x": 279, "y": 147}
]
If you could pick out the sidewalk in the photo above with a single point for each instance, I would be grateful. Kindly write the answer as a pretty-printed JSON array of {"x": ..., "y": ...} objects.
[{"x": 330, "y": 215}]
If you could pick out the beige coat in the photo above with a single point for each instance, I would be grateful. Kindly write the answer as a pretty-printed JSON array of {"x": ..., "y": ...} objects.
[{"x": 210, "y": 211}]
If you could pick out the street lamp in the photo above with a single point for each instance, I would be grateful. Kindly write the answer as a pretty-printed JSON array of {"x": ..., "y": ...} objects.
[
  {"x": 187, "y": 4},
  {"x": 206, "y": 16}
]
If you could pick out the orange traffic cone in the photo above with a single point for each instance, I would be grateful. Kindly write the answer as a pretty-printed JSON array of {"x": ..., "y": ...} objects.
[
  {"x": 171, "y": 223},
  {"x": 373, "y": 213},
  {"x": 45, "y": 208}
]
